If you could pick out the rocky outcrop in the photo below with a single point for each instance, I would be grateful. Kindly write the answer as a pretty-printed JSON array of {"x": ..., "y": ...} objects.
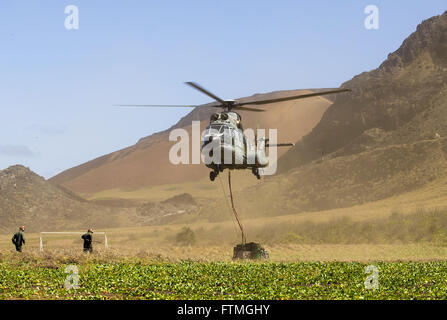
[{"x": 404, "y": 94}]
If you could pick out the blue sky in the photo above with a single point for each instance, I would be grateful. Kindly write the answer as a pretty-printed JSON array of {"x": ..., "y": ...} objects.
[{"x": 58, "y": 86}]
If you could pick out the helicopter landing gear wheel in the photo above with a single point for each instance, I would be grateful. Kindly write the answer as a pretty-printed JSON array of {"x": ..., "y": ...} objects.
[
  {"x": 215, "y": 173},
  {"x": 255, "y": 171},
  {"x": 216, "y": 169}
]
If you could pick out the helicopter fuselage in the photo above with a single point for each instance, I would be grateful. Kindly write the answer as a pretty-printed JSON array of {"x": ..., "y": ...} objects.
[{"x": 225, "y": 146}]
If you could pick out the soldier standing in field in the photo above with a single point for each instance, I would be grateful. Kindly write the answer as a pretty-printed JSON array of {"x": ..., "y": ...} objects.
[
  {"x": 18, "y": 239},
  {"x": 88, "y": 239}
]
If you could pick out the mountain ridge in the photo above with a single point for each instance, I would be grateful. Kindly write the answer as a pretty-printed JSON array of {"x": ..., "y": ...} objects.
[{"x": 405, "y": 85}]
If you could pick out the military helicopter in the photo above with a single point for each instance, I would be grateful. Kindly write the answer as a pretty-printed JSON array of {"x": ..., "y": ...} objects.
[{"x": 224, "y": 144}]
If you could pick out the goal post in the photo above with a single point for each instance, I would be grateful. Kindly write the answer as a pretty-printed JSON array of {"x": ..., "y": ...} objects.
[{"x": 106, "y": 245}]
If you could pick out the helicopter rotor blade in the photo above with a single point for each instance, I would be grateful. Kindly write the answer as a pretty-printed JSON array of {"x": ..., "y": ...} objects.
[
  {"x": 209, "y": 94},
  {"x": 237, "y": 105},
  {"x": 157, "y": 105},
  {"x": 248, "y": 109},
  {"x": 300, "y": 96}
]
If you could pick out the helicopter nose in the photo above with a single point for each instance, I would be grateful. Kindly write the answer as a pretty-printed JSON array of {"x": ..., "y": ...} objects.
[{"x": 227, "y": 154}]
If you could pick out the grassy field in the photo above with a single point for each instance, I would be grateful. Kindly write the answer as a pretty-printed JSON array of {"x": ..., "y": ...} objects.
[
  {"x": 109, "y": 276},
  {"x": 319, "y": 255},
  {"x": 294, "y": 271}
]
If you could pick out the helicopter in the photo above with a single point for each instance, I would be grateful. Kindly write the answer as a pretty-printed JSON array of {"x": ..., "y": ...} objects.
[{"x": 224, "y": 144}]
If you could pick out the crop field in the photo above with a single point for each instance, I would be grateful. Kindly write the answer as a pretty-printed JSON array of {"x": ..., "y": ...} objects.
[{"x": 149, "y": 279}]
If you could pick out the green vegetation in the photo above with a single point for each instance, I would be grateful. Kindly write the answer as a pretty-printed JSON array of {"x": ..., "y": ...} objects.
[{"x": 141, "y": 279}]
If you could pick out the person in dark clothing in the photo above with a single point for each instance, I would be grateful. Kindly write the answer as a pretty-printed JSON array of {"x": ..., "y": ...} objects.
[
  {"x": 88, "y": 239},
  {"x": 18, "y": 239}
]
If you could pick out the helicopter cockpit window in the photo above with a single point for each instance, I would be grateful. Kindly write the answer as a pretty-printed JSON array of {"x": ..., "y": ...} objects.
[
  {"x": 217, "y": 128},
  {"x": 214, "y": 129}
]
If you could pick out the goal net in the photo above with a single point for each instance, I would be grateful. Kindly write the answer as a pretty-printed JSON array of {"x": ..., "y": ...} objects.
[{"x": 42, "y": 234}]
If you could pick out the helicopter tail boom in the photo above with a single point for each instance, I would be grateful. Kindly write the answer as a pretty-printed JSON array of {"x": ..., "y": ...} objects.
[
  {"x": 267, "y": 144},
  {"x": 279, "y": 145}
]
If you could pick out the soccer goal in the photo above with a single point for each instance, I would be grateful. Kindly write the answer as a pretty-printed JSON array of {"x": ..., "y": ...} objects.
[{"x": 106, "y": 245}]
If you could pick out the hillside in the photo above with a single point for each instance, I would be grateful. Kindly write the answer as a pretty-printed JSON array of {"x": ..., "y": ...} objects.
[
  {"x": 402, "y": 101},
  {"x": 384, "y": 139},
  {"x": 27, "y": 199}
]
